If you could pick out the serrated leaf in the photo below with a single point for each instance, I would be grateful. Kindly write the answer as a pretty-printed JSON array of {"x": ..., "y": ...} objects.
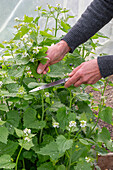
[
  {"x": 61, "y": 167},
  {"x": 63, "y": 143},
  {"x": 83, "y": 141},
  {"x": 26, "y": 144},
  {"x": 82, "y": 166},
  {"x": 8, "y": 80},
  {"x": 5, "y": 162},
  {"x": 13, "y": 118},
  {"x": 45, "y": 34},
  {"x": 16, "y": 72},
  {"x": 28, "y": 19},
  {"x": 62, "y": 118},
  {"x": 3, "y": 134},
  {"x": 1, "y": 45},
  {"x": 58, "y": 70},
  {"x": 8, "y": 148},
  {"x": 3, "y": 107},
  {"x": 35, "y": 84},
  {"x": 46, "y": 166},
  {"x": 19, "y": 132},
  {"x": 106, "y": 115},
  {"x": 104, "y": 136},
  {"x": 30, "y": 120},
  {"x": 51, "y": 149}
]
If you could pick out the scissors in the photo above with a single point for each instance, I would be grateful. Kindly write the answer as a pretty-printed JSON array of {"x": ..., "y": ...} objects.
[{"x": 49, "y": 85}]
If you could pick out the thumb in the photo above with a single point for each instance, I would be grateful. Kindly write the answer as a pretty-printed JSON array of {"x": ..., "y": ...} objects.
[{"x": 42, "y": 67}]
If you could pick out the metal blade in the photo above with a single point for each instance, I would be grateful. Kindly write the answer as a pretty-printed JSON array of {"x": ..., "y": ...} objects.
[{"x": 50, "y": 85}]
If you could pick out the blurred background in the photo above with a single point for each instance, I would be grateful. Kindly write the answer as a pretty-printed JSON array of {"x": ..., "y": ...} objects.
[{"x": 10, "y": 9}]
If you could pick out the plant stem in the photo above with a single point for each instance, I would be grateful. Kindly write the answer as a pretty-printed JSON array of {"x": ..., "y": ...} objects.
[
  {"x": 56, "y": 24},
  {"x": 42, "y": 116},
  {"x": 18, "y": 157}
]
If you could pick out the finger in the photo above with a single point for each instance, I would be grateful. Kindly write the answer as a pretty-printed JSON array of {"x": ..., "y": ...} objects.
[
  {"x": 42, "y": 67},
  {"x": 74, "y": 71},
  {"x": 46, "y": 70},
  {"x": 72, "y": 80},
  {"x": 78, "y": 83}
]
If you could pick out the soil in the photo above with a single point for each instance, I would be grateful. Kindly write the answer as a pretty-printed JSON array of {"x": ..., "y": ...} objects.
[
  {"x": 109, "y": 102},
  {"x": 105, "y": 162}
]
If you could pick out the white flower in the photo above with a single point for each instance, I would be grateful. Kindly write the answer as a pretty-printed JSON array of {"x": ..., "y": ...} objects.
[
  {"x": 35, "y": 50},
  {"x": 26, "y": 138},
  {"x": 55, "y": 124},
  {"x": 82, "y": 123},
  {"x": 0, "y": 119},
  {"x": 72, "y": 124},
  {"x": 87, "y": 159},
  {"x": 25, "y": 54},
  {"x": 17, "y": 19},
  {"x": 25, "y": 38},
  {"x": 27, "y": 131},
  {"x": 47, "y": 94},
  {"x": 29, "y": 44}
]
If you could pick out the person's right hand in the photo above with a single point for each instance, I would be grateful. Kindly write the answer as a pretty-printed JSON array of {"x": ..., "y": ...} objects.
[{"x": 55, "y": 53}]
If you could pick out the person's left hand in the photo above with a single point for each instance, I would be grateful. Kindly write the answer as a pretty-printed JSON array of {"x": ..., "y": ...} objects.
[{"x": 86, "y": 73}]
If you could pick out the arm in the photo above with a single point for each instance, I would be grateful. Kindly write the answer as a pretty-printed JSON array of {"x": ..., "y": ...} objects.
[{"x": 98, "y": 14}]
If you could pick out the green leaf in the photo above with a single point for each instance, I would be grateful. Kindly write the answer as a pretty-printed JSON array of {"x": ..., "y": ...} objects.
[
  {"x": 56, "y": 106},
  {"x": 8, "y": 148},
  {"x": 13, "y": 118},
  {"x": 104, "y": 136},
  {"x": 3, "y": 107},
  {"x": 51, "y": 149},
  {"x": 28, "y": 19},
  {"x": 21, "y": 60},
  {"x": 46, "y": 166},
  {"x": 58, "y": 70},
  {"x": 106, "y": 115},
  {"x": 61, "y": 167},
  {"x": 65, "y": 26},
  {"x": 62, "y": 118},
  {"x": 5, "y": 162},
  {"x": 12, "y": 88},
  {"x": 19, "y": 132},
  {"x": 25, "y": 144},
  {"x": 2, "y": 122},
  {"x": 45, "y": 34},
  {"x": 33, "y": 69},
  {"x": 3, "y": 134},
  {"x": 82, "y": 166},
  {"x": 35, "y": 84},
  {"x": 30, "y": 120},
  {"x": 1, "y": 45},
  {"x": 16, "y": 72},
  {"x": 63, "y": 143},
  {"x": 8, "y": 80},
  {"x": 83, "y": 141}
]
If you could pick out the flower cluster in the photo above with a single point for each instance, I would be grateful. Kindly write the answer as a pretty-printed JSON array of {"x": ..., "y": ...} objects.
[
  {"x": 27, "y": 132},
  {"x": 87, "y": 159},
  {"x": 83, "y": 123},
  {"x": 72, "y": 124},
  {"x": 47, "y": 94},
  {"x": 55, "y": 124},
  {"x": 35, "y": 50}
]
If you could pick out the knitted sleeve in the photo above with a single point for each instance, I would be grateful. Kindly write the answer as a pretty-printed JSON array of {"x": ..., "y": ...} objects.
[{"x": 98, "y": 14}]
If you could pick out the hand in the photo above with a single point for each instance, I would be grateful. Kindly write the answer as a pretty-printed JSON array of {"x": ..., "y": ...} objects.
[
  {"x": 86, "y": 73},
  {"x": 55, "y": 54}
]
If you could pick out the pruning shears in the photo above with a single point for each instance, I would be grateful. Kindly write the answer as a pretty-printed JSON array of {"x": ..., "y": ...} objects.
[{"x": 61, "y": 81}]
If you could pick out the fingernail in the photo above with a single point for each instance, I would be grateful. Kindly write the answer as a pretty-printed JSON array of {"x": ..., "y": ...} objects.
[{"x": 39, "y": 71}]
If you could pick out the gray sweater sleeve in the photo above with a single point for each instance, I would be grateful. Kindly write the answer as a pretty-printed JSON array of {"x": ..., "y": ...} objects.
[{"x": 98, "y": 14}]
